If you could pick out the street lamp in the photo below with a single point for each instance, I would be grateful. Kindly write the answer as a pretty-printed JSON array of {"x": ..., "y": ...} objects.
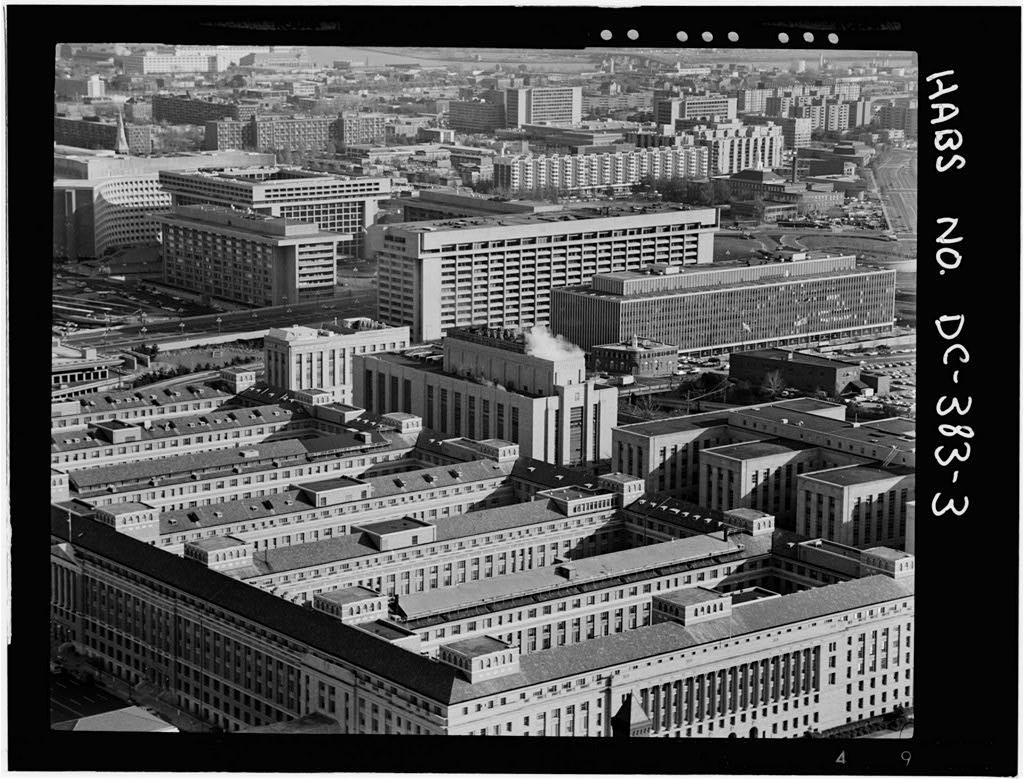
[
  {"x": 218, "y": 324},
  {"x": 182, "y": 326}
]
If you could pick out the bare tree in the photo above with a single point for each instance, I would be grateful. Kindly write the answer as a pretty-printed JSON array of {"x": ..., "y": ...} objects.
[{"x": 773, "y": 384}]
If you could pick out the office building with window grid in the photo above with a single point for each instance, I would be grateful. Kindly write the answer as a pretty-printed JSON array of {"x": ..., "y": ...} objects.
[
  {"x": 501, "y": 271},
  {"x": 534, "y": 105},
  {"x": 489, "y": 385},
  {"x": 247, "y": 257},
  {"x": 303, "y": 358},
  {"x": 704, "y": 310},
  {"x": 713, "y": 664},
  {"x": 337, "y": 204}
]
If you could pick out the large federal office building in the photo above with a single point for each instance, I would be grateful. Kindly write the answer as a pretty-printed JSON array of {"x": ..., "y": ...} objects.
[
  {"x": 490, "y": 384},
  {"x": 500, "y": 271},
  {"x": 334, "y": 203},
  {"x": 248, "y": 258},
  {"x": 807, "y": 298}
]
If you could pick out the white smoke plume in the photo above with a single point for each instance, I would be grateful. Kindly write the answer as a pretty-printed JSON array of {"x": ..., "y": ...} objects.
[{"x": 540, "y": 342}]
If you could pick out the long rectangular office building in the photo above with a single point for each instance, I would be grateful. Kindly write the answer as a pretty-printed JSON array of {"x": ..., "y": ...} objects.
[
  {"x": 500, "y": 271},
  {"x": 247, "y": 257},
  {"x": 812, "y": 297},
  {"x": 714, "y": 665},
  {"x": 339, "y": 204}
]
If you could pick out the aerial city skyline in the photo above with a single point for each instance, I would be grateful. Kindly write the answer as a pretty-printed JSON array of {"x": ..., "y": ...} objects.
[{"x": 483, "y": 392}]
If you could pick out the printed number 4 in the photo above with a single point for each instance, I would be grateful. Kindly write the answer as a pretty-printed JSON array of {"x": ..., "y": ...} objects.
[{"x": 842, "y": 758}]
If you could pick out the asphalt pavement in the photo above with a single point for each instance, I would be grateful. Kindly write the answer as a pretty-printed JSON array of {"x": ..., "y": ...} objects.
[
  {"x": 356, "y": 303},
  {"x": 896, "y": 176},
  {"x": 70, "y": 699}
]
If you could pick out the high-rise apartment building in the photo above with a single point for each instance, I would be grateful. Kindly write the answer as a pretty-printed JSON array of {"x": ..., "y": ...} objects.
[
  {"x": 812, "y": 297},
  {"x": 796, "y": 132},
  {"x": 361, "y": 128},
  {"x": 733, "y": 146},
  {"x": 592, "y": 172},
  {"x": 499, "y": 271},
  {"x": 710, "y": 106},
  {"x": 753, "y": 101},
  {"x": 94, "y": 133},
  {"x": 247, "y": 258},
  {"x": 534, "y": 105},
  {"x": 476, "y": 116},
  {"x": 899, "y": 116},
  {"x": 279, "y": 134},
  {"x": 303, "y": 358},
  {"x": 184, "y": 109},
  {"x": 335, "y": 203},
  {"x": 293, "y": 133}
]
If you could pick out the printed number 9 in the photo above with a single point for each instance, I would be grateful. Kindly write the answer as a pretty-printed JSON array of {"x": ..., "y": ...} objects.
[{"x": 905, "y": 757}]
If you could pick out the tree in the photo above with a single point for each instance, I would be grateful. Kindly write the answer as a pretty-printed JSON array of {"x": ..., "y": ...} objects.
[
  {"x": 773, "y": 385},
  {"x": 646, "y": 406}
]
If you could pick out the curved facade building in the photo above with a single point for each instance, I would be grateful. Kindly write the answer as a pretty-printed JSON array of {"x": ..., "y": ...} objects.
[{"x": 92, "y": 216}]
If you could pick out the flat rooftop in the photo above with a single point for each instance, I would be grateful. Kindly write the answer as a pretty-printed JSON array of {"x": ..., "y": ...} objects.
[
  {"x": 565, "y": 215},
  {"x": 129, "y": 507},
  {"x": 887, "y": 553},
  {"x": 797, "y": 358},
  {"x": 385, "y": 629},
  {"x": 752, "y": 450},
  {"x": 218, "y": 542},
  {"x": 432, "y": 366},
  {"x": 721, "y": 416},
  {"x": 711, "y": 285},
  {"x": 691, "y": 595},
  {"x": 752, "y": 594},
  {"x": 353, "y": 594},
  {"x": 477, "y": 645},
  {"x": 856, "y": 474},
  {"x": 399, "y": 525}
]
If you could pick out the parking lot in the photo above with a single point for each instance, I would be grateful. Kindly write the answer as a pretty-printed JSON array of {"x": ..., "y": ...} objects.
[{"x": 901, "y": 368}]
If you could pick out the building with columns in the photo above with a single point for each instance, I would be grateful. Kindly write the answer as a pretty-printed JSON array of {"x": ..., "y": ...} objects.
[
  {"x": 504, "y": 384},
  {"x": 304, "y": 358},
  {"x": 750, "y": 664}
]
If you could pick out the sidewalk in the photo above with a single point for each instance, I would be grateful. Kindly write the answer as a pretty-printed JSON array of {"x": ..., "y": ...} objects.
[{"x": 143, "y": 694}]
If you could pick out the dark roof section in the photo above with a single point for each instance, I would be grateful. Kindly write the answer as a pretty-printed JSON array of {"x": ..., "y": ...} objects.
[
  {"x": 438, "y": 681},
  {"x": 320, "y": 631}
]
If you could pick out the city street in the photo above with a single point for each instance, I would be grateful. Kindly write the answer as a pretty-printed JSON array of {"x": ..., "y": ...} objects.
[
  {"x": 896, "y": 177},
  {"x": 70, "y": 699},
  {"x": 354, "y": 303}
]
